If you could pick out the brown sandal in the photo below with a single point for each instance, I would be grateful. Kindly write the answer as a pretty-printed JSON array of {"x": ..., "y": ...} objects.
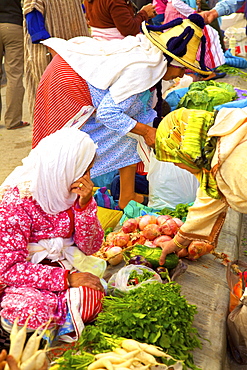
[{"x": 19, "y": 125}]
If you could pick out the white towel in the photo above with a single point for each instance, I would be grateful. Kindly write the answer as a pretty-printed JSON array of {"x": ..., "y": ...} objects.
[{"x": 127, "y": 67}]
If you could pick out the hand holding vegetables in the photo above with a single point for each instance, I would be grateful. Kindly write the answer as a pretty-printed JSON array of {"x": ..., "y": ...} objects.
[
  {"x": 172, "y": 246},
  {"x": 85, "y": 279}
]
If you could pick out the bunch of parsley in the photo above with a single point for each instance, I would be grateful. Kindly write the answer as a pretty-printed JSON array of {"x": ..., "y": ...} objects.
[{"x": 156, "y": 314}]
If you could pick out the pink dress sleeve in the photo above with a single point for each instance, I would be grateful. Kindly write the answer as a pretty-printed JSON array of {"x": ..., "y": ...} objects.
[
  {"x": 15, "y": 232},
  {"x": 88, "y": 231}
]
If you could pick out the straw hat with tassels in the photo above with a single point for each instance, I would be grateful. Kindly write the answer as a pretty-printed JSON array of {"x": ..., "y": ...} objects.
[{"x": 181, "y": 41}]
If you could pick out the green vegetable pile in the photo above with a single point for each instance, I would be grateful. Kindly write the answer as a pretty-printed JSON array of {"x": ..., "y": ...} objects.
[
  {"x": 155, "y": 314},
  {"x": 152, "y": 255},
  {"x": 93, "y": 340},
  {"x": 232, "y": 71},
  {"x": 206, "y": 94},
  {"x": 77, "y": 361},
  {"x": 180, "y": 211},
  {"x": 136, "y": 278}
]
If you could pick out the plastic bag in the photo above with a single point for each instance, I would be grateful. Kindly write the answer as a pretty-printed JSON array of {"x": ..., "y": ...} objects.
[
  {"x": 236, "y": 276},
  {"x": 240, "y": 39},
  {"x": 169, "y": 185},
  {"x": 118, "y": 283},
  {"x": 104, "y": 199},
  {"x": 237, "y": 318},
  {"x": 237, "y": 331}
]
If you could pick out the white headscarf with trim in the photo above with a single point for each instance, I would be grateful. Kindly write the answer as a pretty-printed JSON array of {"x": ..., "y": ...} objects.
[{"x": 49, "y": 170}]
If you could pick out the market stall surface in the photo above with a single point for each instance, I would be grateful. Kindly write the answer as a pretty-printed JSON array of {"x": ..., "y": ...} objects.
[{"x": 204, "y": 283}]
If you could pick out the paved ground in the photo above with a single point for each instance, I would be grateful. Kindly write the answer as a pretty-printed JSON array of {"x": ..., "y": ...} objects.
[
  {"x": 204, "y": 282},
  {"x": 14, "y": 144}
]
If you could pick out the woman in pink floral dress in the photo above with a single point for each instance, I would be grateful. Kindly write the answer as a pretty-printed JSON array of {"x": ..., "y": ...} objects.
[{"x": 48, "y": 230}]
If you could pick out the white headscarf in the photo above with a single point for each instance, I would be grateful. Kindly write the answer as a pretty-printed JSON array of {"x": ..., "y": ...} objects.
[
  {"x": 49, "y": 170},
  {"x": 127, "y": 67}
]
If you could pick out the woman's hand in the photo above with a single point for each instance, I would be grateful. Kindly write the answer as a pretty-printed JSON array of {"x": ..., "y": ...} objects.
[
  {"x": 209, "y": 16},
  {"x": 171, "y": 247},
  {"x": 85, "y": 279},
  {"x": 84, "y": 188},
  {"x": 147, "y": 132},
  {"x": 149, "y": 136},
  {"x": 167, "y": 248},
  {"x": 150, "y": 10}
]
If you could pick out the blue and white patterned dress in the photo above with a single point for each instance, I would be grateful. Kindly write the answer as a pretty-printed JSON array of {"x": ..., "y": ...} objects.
[{"x": 110, "y": 126}]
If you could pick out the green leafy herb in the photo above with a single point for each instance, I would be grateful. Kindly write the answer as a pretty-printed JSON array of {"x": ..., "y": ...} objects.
[
  {"x": 232, "y": 71},
  {"x": 156, "y": 314},
  {"x": 180, "y": 211},
  {"x": 78, "y": 361},
  {"x": 94, "y": 340},
  {"x": 136, "y": 277}
]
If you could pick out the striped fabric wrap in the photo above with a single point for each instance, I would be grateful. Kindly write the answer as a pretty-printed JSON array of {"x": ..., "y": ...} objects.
[
  {"x": 71, "y": 97},
  {"x": 182, "y": 138},
  {"x": 64, "y": 19}
]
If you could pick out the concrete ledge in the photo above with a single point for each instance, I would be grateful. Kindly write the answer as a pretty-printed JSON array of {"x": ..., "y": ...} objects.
[{"x": 204, "y": 284}]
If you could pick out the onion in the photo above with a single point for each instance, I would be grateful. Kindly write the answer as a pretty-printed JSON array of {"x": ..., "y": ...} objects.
[
  {"x": 110, "y": 237},
  {"x": 151, "y": 231},
  {"x": 162, "y": 219},
  {"x": 169, "y": 228},
  {"x": 114, "y": 255},
  {"x": 121, "y": 239},
  {"x": 140, "y": 240},
  {"x": 178, "y": 221},
  {"x": 146, "y": 220},
  {"x": 161, "y": 239},
  {"x": 130, "y": 225}
]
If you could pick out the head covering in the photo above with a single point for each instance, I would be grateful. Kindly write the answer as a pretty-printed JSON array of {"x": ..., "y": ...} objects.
[
  {"x": 117, "y": 65},
  {"x": 49, "y": 170},
  {"x": 180, "y": 41},
  {"x": 182, "y": 138}
]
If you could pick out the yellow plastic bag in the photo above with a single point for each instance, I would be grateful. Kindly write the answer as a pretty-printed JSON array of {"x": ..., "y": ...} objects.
[{"x": 108, "y": 217}]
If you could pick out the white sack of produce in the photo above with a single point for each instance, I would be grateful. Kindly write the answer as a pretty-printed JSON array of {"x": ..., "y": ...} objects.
[
  {"x": 169, "y": 185},
  {"x": 121, "y": 282},
  {"x": 239, "y": 35}
]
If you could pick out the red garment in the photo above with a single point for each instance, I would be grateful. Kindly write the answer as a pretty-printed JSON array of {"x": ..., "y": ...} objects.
[
  {"x": 115, "y": 13},
  {"x": 72, "y": 96}
]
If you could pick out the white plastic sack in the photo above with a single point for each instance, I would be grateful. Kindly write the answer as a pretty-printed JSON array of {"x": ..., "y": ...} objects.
[
  {"x": 118, "y": 283},
  {"x": 169, "y": 185},
  {"x": 240, "y": 40}
]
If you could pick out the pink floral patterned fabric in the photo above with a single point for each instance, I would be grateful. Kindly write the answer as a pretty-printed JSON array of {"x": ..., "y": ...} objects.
[{"x": 36, "y": 288}]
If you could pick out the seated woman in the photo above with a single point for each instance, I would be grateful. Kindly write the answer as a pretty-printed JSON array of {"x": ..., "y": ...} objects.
[
  {"x": 116, "y": 78},
  {"x": 48, "y": 230},
  {"x": 214, "y": 150}
]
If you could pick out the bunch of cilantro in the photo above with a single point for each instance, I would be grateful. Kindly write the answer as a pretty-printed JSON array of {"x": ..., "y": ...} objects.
[
  {"x": 180, "y": 211},
  {"x": 156, "y": 314}
]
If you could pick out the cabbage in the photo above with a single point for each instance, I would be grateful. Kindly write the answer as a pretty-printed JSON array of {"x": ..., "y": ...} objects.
[{"x": 207, "y": 94}]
